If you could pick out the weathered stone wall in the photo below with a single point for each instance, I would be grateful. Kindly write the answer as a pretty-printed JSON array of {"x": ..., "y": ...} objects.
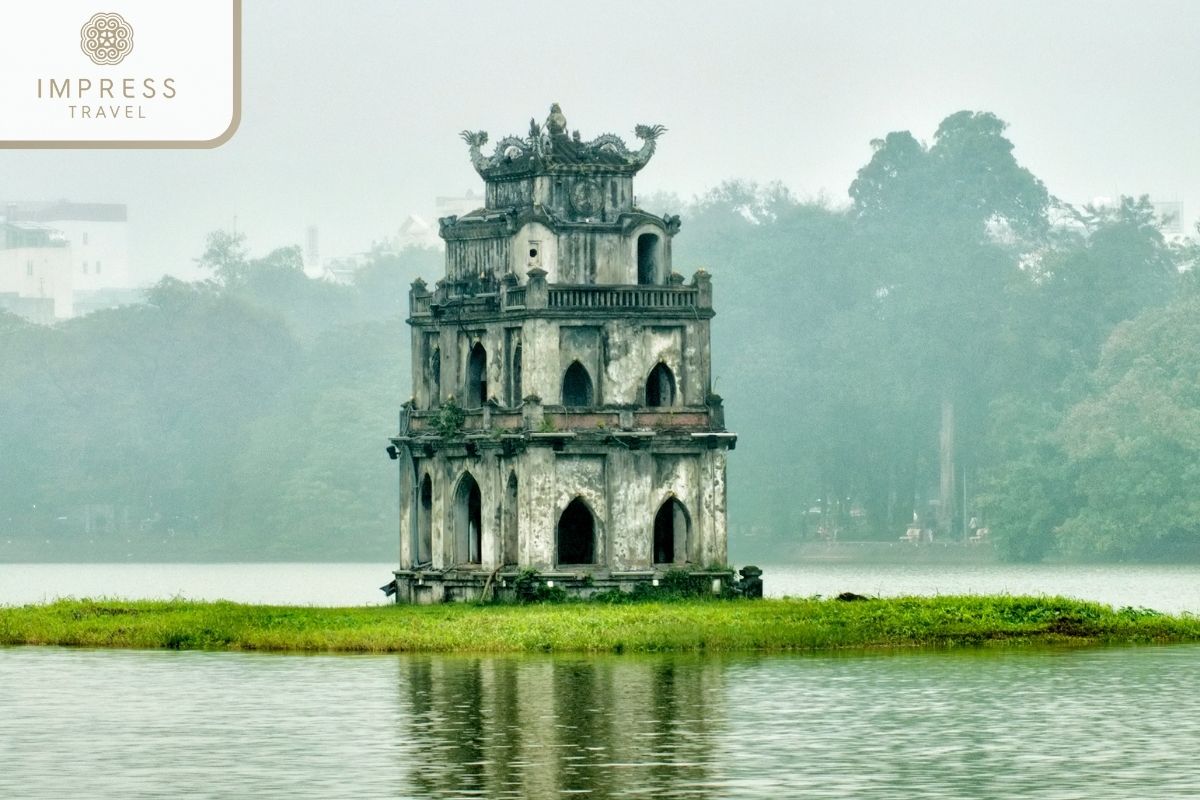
[
  {"x": 623, "y": 489},
  {"x": 599, "y": 254},
  {"x": 617, "y": 353},
  {"x": 612, "y": 194},
  {"x": 509, "y": 194},
  {"x": 585, "y": 257},
  {"x": 534, "y": 245},
  {"x": 468, "y": 259}
]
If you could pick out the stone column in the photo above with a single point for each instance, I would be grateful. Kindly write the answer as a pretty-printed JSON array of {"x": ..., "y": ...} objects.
[
  {"x": 703, "y": 281},
  {"x": 537, "y": 291}
]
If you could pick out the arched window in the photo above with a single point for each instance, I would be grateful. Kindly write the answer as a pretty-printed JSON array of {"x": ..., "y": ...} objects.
[
  {"x": 468, "y": 521},
  {"x": 435, "y": 377},
  {"x": 577, "y": 386},
  {"x": 671, "y": 526},
  {"x": 647, "y": 258},
  {"x": 576, "y": 536},
  {"x": 425, "y": 522},
  {"x": 514, "y": 398},
  {"x": 510, "y": 521},
  {"x": 660, "y": 387},
  {"x": 477, "y": 377}
]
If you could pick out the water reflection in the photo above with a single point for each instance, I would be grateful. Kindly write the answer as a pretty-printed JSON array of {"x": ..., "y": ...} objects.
[
  {"x": 502, "y": 727},
  {"x": 1040, "y": 724}
]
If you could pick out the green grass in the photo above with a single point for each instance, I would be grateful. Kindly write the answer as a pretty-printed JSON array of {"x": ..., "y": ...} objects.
[{"x": 681, "y": 626}]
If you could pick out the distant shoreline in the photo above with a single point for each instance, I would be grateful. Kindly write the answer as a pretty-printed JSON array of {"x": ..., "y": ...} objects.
[
  {"x": 871, "y": 552},
  {"x": 787, "y": 625}
]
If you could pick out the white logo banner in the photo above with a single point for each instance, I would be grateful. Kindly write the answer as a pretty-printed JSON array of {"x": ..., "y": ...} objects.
[{"x": 120, "y": 73}]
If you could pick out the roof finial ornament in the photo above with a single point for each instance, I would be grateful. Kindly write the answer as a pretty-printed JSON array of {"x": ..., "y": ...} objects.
[
  {"x": 552, "y": 146},
  {"x": 556, "y": 123},
  {"x": 649, "y": 135},
  {"x": 476, "y": 140}
]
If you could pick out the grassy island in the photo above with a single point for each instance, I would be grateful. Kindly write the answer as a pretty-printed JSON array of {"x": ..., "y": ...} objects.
[{"x": 666, "y": 626}]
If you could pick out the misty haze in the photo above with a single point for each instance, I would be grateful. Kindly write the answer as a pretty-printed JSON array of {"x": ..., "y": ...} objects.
[{"x": 952, "y": 379}]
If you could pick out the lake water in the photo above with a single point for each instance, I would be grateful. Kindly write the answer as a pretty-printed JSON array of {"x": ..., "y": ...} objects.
[
  {"x": 1163, "y": 587},
  {"x": 1019, "y": 722},
  {"x": 1092, "y": 723}
]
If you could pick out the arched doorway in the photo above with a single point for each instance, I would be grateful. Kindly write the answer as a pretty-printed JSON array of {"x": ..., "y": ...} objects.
[
  {"x": 425, "y": 522},
  {"x": 468, "y": 521},
  {"x": 660, "y": 386},
  {"x": 576, "y": 535},
  {"x": 671, "y": 529},
  {"x": 510, "y": 521},
  {"x": 647, "y": 258},
  {"x": 477, "y": 377},
  {"x": 577, "y": 386}
]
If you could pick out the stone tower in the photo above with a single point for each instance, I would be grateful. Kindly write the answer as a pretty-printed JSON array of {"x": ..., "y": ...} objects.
[{"x": 562, "y": 415}]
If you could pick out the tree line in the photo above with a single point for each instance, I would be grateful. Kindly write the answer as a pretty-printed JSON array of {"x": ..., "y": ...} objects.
[
  {"x": 953, "y": 344},
  {"x": 956, "y": 345},
  {"x": 243, "y": 416}
]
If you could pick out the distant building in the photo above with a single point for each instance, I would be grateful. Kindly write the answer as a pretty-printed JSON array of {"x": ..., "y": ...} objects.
[
  {"x": 35, "y": 272},
  {"x": 75, "y": 254},
  {"x": 415, "y": 231},
  {"x": 342, "y": 270},
  {"x": 419, "y": 230},
  {"x": 458, "y": 206}
]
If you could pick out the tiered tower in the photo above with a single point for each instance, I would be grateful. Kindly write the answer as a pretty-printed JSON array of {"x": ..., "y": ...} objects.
[{"x": 562, "y": 416}]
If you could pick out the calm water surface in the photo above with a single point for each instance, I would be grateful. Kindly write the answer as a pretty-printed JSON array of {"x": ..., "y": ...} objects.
[
  {"x": 1166, "y": 588},
  {"x": 1096, "y": 723}
]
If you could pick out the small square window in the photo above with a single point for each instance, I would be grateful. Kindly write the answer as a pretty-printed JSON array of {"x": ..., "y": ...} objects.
[
  {"x": 85, "y": 241},
  {"x": 29, "y": 268}
]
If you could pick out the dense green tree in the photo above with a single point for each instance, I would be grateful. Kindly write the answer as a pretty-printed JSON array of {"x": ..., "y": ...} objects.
[
  {"x": 1114, "y": 265},
  {"x": 225, "y": 255},
  {"x": 140, "y": 408},
  {"x": 947, "y": 225},
  {"x": 1027, "y": 486},
  {"x": 776, "y": 262},
  {"x": 1135, "y": 441},
  {"x": 242, "y": 416},
  {"x": 314, "y": 471}
]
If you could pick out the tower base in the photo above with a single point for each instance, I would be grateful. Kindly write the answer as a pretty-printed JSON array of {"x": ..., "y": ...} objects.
[{"x": 425, "y": 587}]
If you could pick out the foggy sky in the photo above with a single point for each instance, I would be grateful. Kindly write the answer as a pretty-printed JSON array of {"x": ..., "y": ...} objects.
[{"x": 352, "y": 110}]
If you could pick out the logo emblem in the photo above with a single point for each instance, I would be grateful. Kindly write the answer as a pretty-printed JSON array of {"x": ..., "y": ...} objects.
[{"x": 106, "y": 38}]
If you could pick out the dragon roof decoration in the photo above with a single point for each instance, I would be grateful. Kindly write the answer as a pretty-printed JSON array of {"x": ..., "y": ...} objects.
[{"x": 548, "y": 148}]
